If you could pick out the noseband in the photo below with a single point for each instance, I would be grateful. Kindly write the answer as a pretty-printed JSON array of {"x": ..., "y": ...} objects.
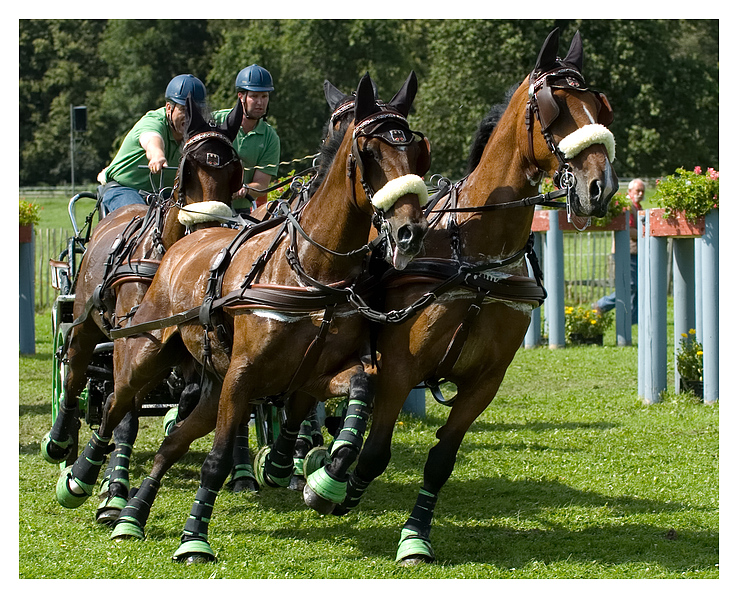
[{"x": 542, "y": 106}]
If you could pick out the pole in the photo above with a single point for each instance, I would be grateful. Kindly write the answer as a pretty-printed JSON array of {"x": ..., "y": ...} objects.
[
  {"x": 555, "y": 283},
  {"x": 71, "y": 141}
]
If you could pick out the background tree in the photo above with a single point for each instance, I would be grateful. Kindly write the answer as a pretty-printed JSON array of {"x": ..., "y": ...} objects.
[{"x": 661, "y": 77}]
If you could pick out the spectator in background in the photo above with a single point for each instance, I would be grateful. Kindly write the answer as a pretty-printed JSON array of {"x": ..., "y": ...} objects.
[{"x": 636, "y": 189}]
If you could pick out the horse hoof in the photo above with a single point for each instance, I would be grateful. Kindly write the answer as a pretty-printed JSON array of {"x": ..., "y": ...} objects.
[
  {"x": 316, "y": 502},
  {"x": 53, "y": 452},
  {"x": 127, "y": 530},
  {"x": 243, "y": 485},
  {"x": 170, "y": 418},
  {"x": 297, "y": 483},
  {"x": 322, "y": 493},
  {"x": 340, "y": 511},
  {"x": 413, "y": 549},
  {"x": 109, "y": 510},
  {"x": 194, "y": 552},
  {"x": 70, "y": 492},
  {"x": 315, "y": 459}
]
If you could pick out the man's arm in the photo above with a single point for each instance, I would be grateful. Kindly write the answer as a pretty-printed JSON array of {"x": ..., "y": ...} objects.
[{"x": 153, "y": 145}]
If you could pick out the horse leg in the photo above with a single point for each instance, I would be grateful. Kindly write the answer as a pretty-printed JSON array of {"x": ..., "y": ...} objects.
[
  {"x": 194, "y": 546},
  {"x": 116, "y": 484},
  {"x": 57, "y": 444},
  {"x": 376, "y": 453},
  {"x": 308, "y": 438},
  {"x": 132, "y": 519},
  {"x": 243, "y": 478},
  {"x": 275, "y": 466},
  {"x": 414, "y": 546},
  {"x": 75, "y": 484},
  {"x": 326, "y": 487}
]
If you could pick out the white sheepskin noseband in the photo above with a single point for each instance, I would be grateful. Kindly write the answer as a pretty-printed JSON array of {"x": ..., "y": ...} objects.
[
  {"x": 588, "y": 135},
  {"x": 204, "y": 211},
  {"x": 386, "y": 197}
]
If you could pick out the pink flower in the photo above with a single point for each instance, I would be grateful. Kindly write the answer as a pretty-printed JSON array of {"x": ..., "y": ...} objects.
[
  {"x": 697, "y": 170},
  {"x": 713, "y": 174}
]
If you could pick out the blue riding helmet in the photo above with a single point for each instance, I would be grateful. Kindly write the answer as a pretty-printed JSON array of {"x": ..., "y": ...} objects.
[
  {"x": 182, "y": 86},
  {"x": 254, "y": 78}
]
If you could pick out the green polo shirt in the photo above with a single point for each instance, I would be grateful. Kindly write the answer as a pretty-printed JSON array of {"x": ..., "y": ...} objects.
[
  {"x": 124, "y": 168},
  {"x": 257, "y": 148}
]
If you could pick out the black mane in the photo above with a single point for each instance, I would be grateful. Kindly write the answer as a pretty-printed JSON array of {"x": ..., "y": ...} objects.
[
  {"x": 328, "y": 152},
  {"x": 484, "y": 131}
]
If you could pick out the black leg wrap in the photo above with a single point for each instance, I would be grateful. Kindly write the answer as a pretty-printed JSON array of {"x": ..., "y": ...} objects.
[
  {"x": 241, "y": 448},
  {"x": 354, "y": 424},
  {"x": 139, "y": 507},
  {"x": 197, "y": 523},
  {"x": 279, "y": 463},
  {"x": 119, "y": 482},
  {"x": 63, "y": 423},
  {"x": 354, "y": 492},
  {"x": 422, "y": 515},
  {"x": 87, "y": 467}
]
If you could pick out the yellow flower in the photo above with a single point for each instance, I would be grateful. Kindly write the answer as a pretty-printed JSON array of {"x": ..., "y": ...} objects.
[
  {"x": 684, "y": 334},
  {"x": 692, "y": 331},
  {"x": 593, "y": 321},
  {"x": 699, "y": 352}
]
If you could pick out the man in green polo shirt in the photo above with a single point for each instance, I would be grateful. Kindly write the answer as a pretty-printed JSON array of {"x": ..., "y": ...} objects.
[
  {"x": 257, "y": 143},
  {"x": 154, "y": 141}
]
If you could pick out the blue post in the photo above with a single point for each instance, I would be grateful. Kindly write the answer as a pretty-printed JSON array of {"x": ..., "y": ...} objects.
[
  {"x": 642, "y": 321},
  {"x": 533, "y": 335},
  {"x": 710, "y": 306},
  {"x": 684, "y": 314},
  {"x": 623, "y": 308},
  {"x": 26, "y": 297},
  {"x": 415, "y": 403},
  {"x": 555, "y": 283},
  {"x": 698, "y": 288},
  {"x": 655, "y": 291}
]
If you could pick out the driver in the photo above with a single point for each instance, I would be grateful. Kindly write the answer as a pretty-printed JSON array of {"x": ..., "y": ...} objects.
[
  {"x": 257, "y": 143},
  {"x": 154, "y": 141}
]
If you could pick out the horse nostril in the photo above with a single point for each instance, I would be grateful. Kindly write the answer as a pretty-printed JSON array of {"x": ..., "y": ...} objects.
[
  {"x": 595, "y": 190},
  {"x": 405, "y": 237}
]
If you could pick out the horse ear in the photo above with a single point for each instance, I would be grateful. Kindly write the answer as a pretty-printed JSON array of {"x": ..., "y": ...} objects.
[
  {"x": 547, "y": 55},
  {"x": 233, "y": 121},
  {"x": 575, "y": 56},
  {"x": 194, "y": 122},
  {"x": 366, "y": 105},
  {"x": 403, "y": 100},
  {"x": 334, "y": 96}
]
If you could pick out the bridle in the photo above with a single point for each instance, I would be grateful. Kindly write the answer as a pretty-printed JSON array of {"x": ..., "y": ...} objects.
[
  {"x": 193, "y": 150},
  {"x": 542, "y": 106}
]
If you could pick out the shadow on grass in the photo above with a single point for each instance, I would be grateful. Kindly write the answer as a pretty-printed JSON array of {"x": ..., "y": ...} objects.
[{"x": 469, "y": 526}]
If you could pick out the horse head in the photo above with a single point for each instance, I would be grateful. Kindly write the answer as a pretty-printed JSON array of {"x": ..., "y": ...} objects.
[
  {"x": 389, "y": 160},
  {"x": 210, "y": 169},
  {"x": 565, "y": 124}
]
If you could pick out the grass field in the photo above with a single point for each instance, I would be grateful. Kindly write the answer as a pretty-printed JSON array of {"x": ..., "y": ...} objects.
[{"x": 566, "y": 475}]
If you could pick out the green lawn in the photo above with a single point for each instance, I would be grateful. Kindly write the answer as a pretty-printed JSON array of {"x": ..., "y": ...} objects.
[{"x": 566, "y": 475}]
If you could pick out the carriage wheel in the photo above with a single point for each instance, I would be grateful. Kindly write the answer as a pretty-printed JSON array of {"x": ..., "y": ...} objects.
[{"x": 59, "y": 373}]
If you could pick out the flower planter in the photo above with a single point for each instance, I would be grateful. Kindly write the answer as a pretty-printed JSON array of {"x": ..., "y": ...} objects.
[
  {"x": 696, "y": 386},
  {"x": 579, "y": 339},
  {"x": 25, "y": 233},
  {"x": 675, "y": 226}
]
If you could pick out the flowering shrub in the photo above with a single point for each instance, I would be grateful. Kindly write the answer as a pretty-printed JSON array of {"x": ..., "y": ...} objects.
[
  {"x": 28, "y": 213},
  {"x": 693, "y": 193},
  {"x": 585, "y": 321},
  {"x": 689, "y": 357}
]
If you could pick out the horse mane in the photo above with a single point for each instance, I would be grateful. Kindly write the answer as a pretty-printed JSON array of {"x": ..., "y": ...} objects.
[
  {"x": 486, "y": 127},
  {"x": 327, "y": 154}
]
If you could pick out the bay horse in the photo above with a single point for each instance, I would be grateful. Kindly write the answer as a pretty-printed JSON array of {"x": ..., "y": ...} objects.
[
  {"x": 119, "y": 264},
  {"x": 267, "y": 311},
  {"x": 551, "y": 124}
]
